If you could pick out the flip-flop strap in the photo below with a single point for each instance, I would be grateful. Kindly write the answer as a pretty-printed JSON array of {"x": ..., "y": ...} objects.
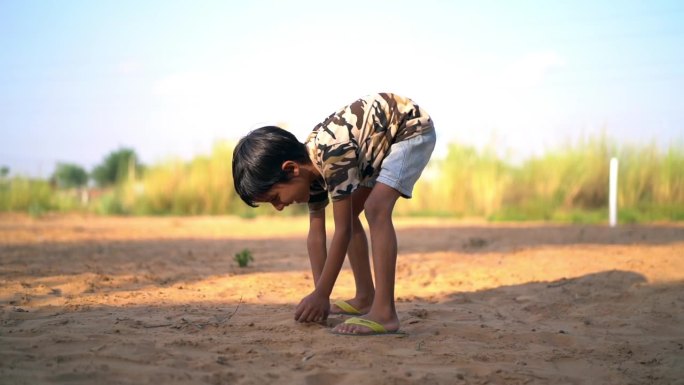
[
  {"x": 345, "y": 306},
  {"x": 372, "y": 325}
]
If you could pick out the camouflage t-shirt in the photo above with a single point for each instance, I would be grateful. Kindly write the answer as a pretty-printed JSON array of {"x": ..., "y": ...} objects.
[{"x": 349, "y": 146}]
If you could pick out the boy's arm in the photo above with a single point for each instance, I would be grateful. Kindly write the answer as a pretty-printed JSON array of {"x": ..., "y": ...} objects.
[
  {"x": 315, "y": 243},
  {"x": 317, "y": 304},
  {"x": 342, "y": 214}
]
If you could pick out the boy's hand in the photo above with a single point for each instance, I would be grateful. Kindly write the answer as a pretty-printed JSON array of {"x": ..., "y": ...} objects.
[{"x": 313, "y": 308}]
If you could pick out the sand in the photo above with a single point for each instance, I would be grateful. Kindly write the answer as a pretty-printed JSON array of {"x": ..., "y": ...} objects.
[{"x": 89, "y": 300}]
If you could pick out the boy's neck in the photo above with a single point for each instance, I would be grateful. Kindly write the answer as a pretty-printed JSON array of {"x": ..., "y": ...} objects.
[{"x": 312, "y": 172}]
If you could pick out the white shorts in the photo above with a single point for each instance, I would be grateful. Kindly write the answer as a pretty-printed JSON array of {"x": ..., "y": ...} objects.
[{"x": 404, "y": 163}]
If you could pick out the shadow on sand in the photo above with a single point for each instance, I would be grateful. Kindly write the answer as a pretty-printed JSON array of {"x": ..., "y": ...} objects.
[
  {"x": 152, "y": 256},
  {"x": 608, "y": 327}
]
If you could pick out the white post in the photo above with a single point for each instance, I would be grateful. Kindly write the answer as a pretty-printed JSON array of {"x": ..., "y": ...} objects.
[{"x": 612, "y": 192}]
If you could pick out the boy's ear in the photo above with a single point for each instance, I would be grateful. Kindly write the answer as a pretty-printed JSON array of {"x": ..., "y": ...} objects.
[{"x": 290, "y": 167}]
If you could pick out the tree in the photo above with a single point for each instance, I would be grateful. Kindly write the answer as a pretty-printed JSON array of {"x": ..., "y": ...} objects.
[
  {"x": 68, "y": 175},
  {"x": 116, "y": 167},
  {"x": 4, "y": 171}
]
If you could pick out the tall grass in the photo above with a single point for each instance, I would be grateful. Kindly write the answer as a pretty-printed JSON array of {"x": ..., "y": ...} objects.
[
  {"x": 652, "y": 183},
  {"x": 201, "y": 186},
  {"x": 34, "y": 196},
  {"x": 23, "y": 194},
  {"x": 560, "y": 184},
  {"x": 568, "y": 184}
]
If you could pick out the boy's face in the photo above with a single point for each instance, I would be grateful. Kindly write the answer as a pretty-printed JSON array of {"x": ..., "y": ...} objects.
[{"x": 295, "y": 190}]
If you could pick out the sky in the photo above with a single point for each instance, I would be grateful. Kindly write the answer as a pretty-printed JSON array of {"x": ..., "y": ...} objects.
[{"x": 79, "y": 79}]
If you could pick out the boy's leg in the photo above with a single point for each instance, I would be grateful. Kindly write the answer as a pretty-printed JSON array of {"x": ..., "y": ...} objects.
[
  {"x": 358, "y": 257},
  {"x": 379, "y": 207},
  {"x": 400, "y": 170}
]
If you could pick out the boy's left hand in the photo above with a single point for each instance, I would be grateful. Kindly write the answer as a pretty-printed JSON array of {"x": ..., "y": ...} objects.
[{"x": 313, "y": 308}]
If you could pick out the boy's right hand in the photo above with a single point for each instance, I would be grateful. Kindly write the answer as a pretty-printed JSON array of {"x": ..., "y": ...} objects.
[{"x": 313, "y": 308}]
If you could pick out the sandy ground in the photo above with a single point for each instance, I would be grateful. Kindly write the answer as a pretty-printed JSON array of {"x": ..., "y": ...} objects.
[{"x": 87, "y": 300}]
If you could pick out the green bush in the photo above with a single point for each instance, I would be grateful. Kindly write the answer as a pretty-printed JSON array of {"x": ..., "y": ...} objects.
[
  {"x": 69, "y": 175},
  {"x": 110, "y": 204},
  {"x": 244, "y": 257}
]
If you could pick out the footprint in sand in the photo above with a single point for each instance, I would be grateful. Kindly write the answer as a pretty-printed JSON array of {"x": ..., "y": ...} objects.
[{"x": 323, "y": 378}]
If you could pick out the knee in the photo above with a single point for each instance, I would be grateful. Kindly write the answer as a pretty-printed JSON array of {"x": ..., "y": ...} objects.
[{"x": 377, "y": 210}]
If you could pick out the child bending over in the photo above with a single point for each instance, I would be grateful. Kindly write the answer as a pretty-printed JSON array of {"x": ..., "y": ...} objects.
[{"x": 363, "y": 158}]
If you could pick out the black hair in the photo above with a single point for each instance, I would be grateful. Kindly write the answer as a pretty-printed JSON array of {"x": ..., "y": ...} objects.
[{"x": 257, "y": 161}]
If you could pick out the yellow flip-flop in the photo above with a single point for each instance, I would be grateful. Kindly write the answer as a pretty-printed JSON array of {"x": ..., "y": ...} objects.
[
  {"x": 376, "y": 328},
  {"x": 347, "y": 309}
]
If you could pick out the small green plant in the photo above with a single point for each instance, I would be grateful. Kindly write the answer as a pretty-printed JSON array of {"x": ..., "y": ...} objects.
[
  {"x": 35, "y": 210},
  {"x": 244, "y": 257}
]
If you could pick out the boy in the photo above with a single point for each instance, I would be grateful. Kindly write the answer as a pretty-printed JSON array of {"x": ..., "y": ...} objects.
[{"x": 365, "y": 156}]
